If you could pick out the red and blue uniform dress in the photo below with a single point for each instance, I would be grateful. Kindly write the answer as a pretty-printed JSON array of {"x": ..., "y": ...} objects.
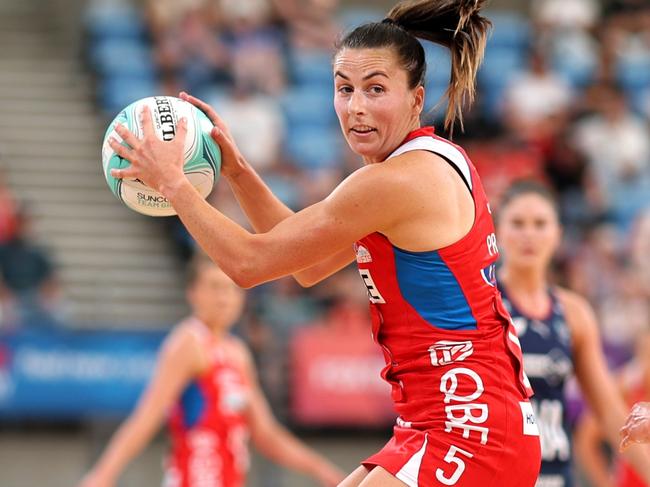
[
  {"x": 209, "y": 426},
  {"x": 453, "y": 359}
]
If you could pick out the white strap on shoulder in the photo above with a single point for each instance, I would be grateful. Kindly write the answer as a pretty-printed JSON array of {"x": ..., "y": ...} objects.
[{"x": 442, "y": 148}]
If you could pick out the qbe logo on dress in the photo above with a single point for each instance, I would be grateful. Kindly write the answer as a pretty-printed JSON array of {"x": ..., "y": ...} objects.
[{"x": 447, "y": 352}]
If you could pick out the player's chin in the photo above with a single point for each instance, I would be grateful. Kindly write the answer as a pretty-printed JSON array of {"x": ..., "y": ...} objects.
[{"x": 366, "y": 149}]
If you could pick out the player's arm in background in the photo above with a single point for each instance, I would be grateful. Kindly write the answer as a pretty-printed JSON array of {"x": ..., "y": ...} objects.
[
  {"x": 587, "y": 444},
  {"x": 263, "y": 209},
  {"x": 179, "y": 360},
  {"x": 594, "y": 378},
  {"x": 275, "y": 442}
]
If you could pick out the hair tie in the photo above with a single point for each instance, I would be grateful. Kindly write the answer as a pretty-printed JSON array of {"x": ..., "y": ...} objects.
[{"x": 388, "y": 20}]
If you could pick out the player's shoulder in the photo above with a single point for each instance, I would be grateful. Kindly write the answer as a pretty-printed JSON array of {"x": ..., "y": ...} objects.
[
  {"x": 578, "y": 313},
  {"x": 186, "y": 334},
  {"x": 572, "y": 302},
  {"x": 240, "y": 349}
]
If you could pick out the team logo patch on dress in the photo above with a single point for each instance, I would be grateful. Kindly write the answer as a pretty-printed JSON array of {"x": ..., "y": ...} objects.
[
  {"x": 528, "y": 416},
  {"x": 363, "y": 256},
  {"x": 447, "y": 352}
]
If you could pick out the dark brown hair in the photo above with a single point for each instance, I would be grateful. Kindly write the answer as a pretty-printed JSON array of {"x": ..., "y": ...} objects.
[
  {"x": 524, "y": 187},
  {"x": 455, "y": 24}
]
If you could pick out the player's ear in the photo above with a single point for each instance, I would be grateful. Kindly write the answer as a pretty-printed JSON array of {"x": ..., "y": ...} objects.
[{"x": 418, "y": 99}]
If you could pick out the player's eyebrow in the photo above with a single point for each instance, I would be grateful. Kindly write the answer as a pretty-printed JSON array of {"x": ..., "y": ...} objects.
[{"x": 366, "y": 77}]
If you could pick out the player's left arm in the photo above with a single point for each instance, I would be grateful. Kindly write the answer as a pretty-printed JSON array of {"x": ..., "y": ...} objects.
[
  {"x": 594, "y": 378},
  {"x": 275, "y": 442}
]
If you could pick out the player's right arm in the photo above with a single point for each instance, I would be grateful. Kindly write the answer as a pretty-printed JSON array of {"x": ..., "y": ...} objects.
[
  {"x": 179, "y": 360},
  {"x": 263, "y": 209}
]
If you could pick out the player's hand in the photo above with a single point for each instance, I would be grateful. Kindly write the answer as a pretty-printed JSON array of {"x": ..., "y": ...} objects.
[
  {"x": 231, "y": 157},
  {"x": 157, "y": 163},
  {"x": 329, "y": 476},
  {"x": 637, "y": 426}
]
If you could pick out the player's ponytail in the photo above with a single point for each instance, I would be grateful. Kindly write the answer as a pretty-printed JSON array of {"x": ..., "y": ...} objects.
[{"x": 455, "y": 24}]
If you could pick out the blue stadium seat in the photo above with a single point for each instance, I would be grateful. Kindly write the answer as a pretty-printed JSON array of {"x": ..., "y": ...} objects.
[
  {"x": 116, "y": 92},
  {"x": 314, "y": 149},
  {"x": 578, "y": 74},
  {"x": 500, "y": 67},
  {"x": 354, "y": 17},
  {"x": 438, "y": 63},
  {"x": 113, "y": 19},
  {"x": 634, "y": 73},
  {"x": 311, "y": 67},
  {"x": 122, "y": 56},
  {"x": 509, "y": 30},
  {"x": 312, "y": 107}
]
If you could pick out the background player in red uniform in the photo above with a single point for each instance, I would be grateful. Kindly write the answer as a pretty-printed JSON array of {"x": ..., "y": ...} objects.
[
  {"x": 424, "y": 241},
  {"x": 557, "y": 329},
  {"x": 205, "y": 377}
]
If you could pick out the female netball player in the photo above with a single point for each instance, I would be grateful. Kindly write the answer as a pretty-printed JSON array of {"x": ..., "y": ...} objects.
[
  {"x": 557, "y": 330},
  {"x": 205, "y": 377},
  {"x": 420, "y": 225}
]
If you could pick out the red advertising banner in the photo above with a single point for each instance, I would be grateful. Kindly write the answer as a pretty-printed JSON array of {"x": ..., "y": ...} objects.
[{"x": 335, "y": 379}]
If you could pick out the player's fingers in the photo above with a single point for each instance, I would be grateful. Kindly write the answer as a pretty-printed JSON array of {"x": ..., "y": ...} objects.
[
  {"x": 126, "y": 173},
  {"x": 223, "y": 140},
  {"x": 625, "y": 442},
  {"x": 121, "y": 150},
  {"x": 205, "y": 108},
  {"x": 146, "y": 119},
  {"x": 128, "y": 136}
]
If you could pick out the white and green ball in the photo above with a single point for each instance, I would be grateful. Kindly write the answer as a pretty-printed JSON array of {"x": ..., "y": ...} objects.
[{"x": 202, "y": 154}]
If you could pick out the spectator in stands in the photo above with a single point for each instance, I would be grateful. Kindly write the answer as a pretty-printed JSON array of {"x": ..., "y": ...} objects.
[
  {"x": 616, "y": 145},
  {"x": 537, "y": 100},
  {"x": 187, "y": 48},
  {"x": 28, "y": 285},
  {"x": 311, "y": 24},
  {"x": 255, "y": 46},
  {"x": 566, "y": 14},
  {"x": 256, "y": 123}
]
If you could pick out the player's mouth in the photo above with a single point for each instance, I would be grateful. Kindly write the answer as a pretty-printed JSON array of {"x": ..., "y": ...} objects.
[{"x": 362, "y": 130}]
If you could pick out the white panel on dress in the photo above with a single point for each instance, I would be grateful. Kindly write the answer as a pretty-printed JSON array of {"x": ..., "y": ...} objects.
[
  {"x": 440, "y": 147},
  {"x": 410, "y": 472}
]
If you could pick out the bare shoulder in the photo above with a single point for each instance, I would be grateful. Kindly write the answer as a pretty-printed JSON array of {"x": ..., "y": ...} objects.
[
  {"x": 183, "y": 336},
  {"x": 574, "y": 303},
  {"x": 579, "y": 314},
  {"x": 405, "y": 169},
  {"x": 240, "y": 350}
]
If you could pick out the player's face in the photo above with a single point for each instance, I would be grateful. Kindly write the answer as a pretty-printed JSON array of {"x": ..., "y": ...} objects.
[
  {"x": 215, "y": 298},
  {"x": 374, "y": 104},
  {"x": 529, "y": 232}
]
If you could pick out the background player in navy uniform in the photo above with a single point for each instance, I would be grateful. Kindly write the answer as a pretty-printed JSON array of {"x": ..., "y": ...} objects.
[{"x": 557, "y": 330}]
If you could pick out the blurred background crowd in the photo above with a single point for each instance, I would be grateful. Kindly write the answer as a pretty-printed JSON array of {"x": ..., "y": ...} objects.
[{"x": 563, "y": 97}]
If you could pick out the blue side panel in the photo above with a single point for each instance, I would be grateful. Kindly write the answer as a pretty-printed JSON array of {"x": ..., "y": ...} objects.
[
  {"x": 428, "y": 285},
  {"x": 193, "y": 403}
]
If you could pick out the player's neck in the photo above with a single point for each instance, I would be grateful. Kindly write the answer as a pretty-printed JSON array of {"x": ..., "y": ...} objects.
[
  {"x": 216, "y": 328},
  {"x": 524, "y": 281}
]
